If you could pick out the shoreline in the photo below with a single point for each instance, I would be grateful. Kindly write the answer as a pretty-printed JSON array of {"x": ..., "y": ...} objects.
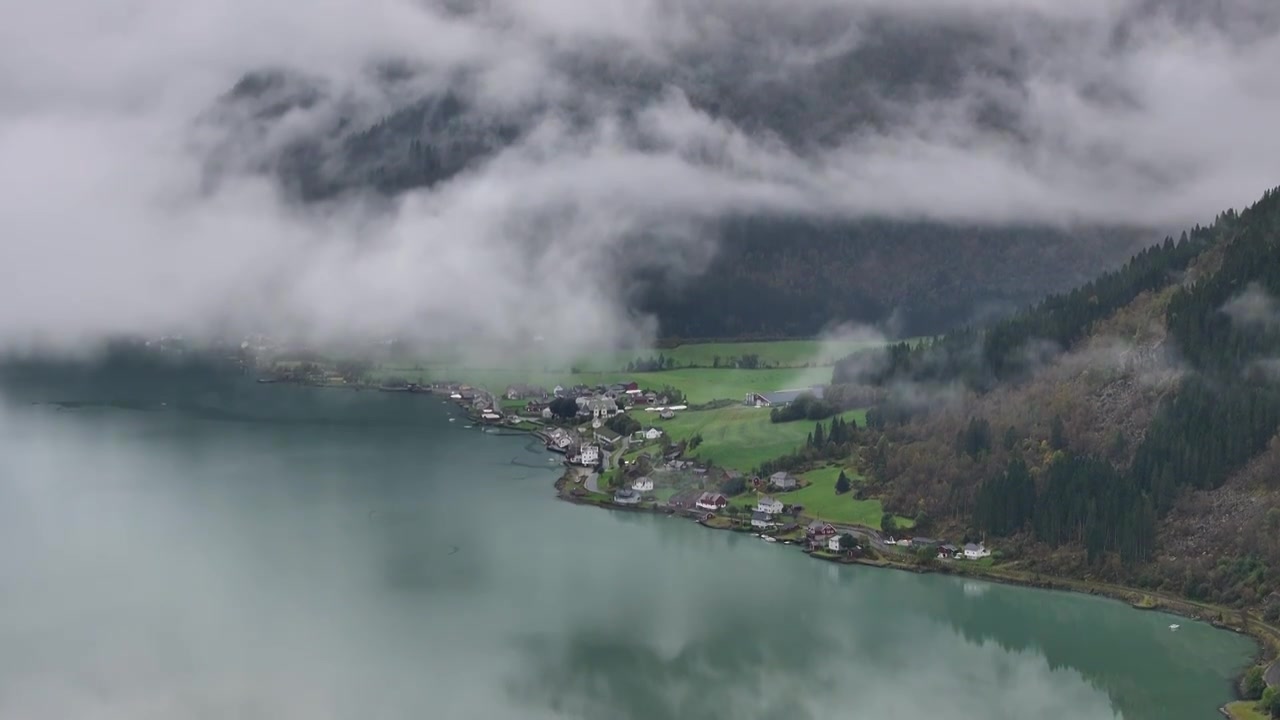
[
  {"x": 1266, "y": 638},
  {"x": 1239, "y": 621}
]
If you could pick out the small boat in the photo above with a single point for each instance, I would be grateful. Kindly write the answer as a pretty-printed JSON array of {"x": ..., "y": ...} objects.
[
  {"x": 770, "y": 539},
  {"x": 1174, "y": 626},
  {"x": 452, "y": 419}
]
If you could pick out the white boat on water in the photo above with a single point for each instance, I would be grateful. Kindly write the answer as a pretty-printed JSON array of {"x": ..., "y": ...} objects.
[
  {"x": 1174, "y": 626},
  {"x": 452, "y": 419},
  {"x": 769, "y": 539}
]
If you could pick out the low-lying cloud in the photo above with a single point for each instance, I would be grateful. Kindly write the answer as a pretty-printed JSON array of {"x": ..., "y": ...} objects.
[
  {"x": 1108, "y": 111},
  {"x": 1254, "y": 309}
]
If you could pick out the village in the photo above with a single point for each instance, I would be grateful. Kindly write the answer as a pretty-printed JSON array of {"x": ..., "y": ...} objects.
[
  {"x": 639, "y": 447},
  {"x": 615, "y": 461}
]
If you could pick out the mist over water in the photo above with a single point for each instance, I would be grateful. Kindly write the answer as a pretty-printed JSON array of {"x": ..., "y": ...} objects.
[{"x": 270, "y": 552}]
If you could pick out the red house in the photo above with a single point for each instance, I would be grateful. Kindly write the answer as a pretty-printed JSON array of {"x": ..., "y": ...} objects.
[
  {"x": 712, "y": 501},
  {"x": 817, "y": 528}
]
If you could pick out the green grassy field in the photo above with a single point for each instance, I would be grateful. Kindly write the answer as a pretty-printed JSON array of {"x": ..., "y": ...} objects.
[
  {"x": 771, "y": 355},
  {"x": 1245, "y": 710},
  {"x": 820, "y": 500},
  {"x": 781, "y": 353},
  {"x": 700, "y": 385},
  {"x": 738, "y": 437}
]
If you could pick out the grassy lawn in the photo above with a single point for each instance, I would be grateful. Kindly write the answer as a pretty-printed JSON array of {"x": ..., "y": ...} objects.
[
  {"x": 770, "y": 354},
  {"x": 820, "y": 500},
  {"x": 1245, "y": 710},
  {"x": 738, "y": 437},
  {"x": 780, "y": 353}
]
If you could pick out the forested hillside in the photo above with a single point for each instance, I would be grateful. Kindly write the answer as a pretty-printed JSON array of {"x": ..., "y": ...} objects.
[{"x": 1106, "y": 430}]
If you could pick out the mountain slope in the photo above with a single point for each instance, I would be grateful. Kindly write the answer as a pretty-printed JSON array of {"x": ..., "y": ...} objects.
[
  {"x": 809, "y": 86},
  {"x": 1111, "y": 431}
]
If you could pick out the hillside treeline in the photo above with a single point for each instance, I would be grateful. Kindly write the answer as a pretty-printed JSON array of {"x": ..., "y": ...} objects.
[{"x": 1223, "y": 324}]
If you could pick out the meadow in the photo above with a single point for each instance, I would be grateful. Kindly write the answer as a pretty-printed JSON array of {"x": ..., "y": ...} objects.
[
  {"x": 821, "y": 501},
  {"x": 779, "y": 353},
  {"x": 738, "y": 437},
  {"x": 700, "y": 385},
  {"x": 528, "y": 360}
]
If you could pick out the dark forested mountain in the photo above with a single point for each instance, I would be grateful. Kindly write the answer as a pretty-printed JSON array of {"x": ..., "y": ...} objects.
[
  {"x": 1109, "y": 429},
  {"x": 793, "y": 79}
]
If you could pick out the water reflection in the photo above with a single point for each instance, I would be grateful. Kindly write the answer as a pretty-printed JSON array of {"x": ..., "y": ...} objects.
[{"x": 180, "y": 567}]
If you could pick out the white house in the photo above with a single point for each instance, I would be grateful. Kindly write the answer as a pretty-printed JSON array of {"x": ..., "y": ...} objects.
[
  {"x": 833, "y": 543},
  {"x": 975, "y": 552},
  {"x": 652, "y": 433},
  {"x": 760, "y": 520},
  {"x": 783, "y": 480},
  {"x": 768, "y": 505},
  {"x": 589, "y": 455},
  {"x": 600, "y": 407},
  {"x": 546, "y": 413},
  {"x": 642, "y": 484}
]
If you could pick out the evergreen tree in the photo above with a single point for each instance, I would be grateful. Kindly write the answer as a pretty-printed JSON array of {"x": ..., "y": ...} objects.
[{"x": 1057, "y": 433}]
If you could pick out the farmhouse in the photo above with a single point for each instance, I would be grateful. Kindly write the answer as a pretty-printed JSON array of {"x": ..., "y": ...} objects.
[
  {"x": 642, "y": 484},
  {"x": 652, "y": 433},
  {"x": 817, "y": 528},
  {"x": 783, "y": 480},
  {"x": 975, "y": 551},
  {"x": 769, "y": 505},
  {"x": 780, "y": 398},
  {"x": 948, "y": 551},
  {"x": 760, "y": 520},
  {"x": 712, "y": 501},
  {"x": 607, "y": 437},
  {"x": 600, "y": 407},
  {"x": 833, "y": 543}
]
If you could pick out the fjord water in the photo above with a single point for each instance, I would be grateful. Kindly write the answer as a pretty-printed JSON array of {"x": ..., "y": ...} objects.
[{"x": 281, "y": 552}]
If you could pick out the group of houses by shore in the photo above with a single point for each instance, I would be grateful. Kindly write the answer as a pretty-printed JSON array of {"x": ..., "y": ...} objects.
[
  {"x": 769, "y": 516},
  {"x": 572, "y": 421}
]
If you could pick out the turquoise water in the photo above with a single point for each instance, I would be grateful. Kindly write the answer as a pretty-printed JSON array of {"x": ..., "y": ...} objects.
[{"x": 250, "y": 551}]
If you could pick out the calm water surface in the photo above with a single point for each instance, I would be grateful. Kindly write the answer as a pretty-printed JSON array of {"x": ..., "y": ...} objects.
[{"x": 275, "y": 552}]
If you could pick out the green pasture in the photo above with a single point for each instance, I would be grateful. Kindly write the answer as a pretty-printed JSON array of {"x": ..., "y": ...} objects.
[
  {"x": 737, "y": 437},
  {"x": 820, "y": 500}
]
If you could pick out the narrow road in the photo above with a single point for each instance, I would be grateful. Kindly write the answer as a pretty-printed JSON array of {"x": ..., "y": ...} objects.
[{"x": 591, "y": 483}]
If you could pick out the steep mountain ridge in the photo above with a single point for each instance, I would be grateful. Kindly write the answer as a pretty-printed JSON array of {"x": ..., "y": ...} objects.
[
  {"x": 1142, "y": 449},
  {"x": 813, "y": 84}
]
